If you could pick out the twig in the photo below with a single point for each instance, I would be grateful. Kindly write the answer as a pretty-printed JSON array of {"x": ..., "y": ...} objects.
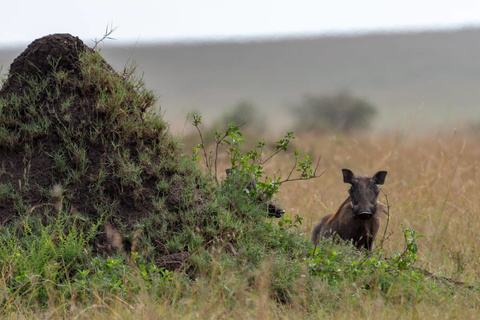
[
  {"x": 388, "y": 218},
  {"x": 270, "y": 157},
  {"x": 105, "y": 36},
  {"x": 257, "y": 158},
  {"x": 307, "y": 178},
  {"x": 203, "y": 148},
  {"x": 293, "y": 168},
  {"x": 184, "y": 125},
  {"x": 303, "y": 178},
  {"x": 315, "y": 245},
  {"x": 216, "y": 155},
  {"x": 218, "y": 142},
  {"x": 38, "y": 206},
  {"x": 443, "y": 279}
]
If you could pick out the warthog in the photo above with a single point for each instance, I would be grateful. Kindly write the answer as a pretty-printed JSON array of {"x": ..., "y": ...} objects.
[
  {"x": 273, "y": 209},
  {"x": 356, "y": 220}
]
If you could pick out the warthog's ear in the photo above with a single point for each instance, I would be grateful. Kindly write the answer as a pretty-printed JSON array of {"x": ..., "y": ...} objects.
[
  {"x": 348, "y": 176},
  {"x": 379, "y": 177}
]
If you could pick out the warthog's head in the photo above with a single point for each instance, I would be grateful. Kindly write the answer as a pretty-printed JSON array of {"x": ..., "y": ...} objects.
[
  {"x": 364, "y": 192},
  {"x": 273, "y": 209}
]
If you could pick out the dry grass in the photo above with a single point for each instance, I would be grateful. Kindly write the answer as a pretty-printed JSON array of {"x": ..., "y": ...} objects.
[{"x": 432, "y": 186}]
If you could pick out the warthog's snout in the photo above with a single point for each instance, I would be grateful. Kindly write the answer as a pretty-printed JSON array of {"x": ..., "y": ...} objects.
[
  {"x": 272, "y": 207},
  {"x": 365, "y": 215},
  {"x": 275, "y": 210}
]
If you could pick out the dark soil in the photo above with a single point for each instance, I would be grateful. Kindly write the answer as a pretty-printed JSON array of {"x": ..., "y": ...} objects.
[
  {"x": 39, "y": 56},
  {"x": 36, "y": 61},
  {"x": 72, "y": 101}
]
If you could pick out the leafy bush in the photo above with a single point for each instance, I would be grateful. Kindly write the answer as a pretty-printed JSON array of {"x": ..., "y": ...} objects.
[
  {"x": 337, "y": 263},
  {"x": 115, "y": 276},
  {"x": 244, "y": 191},
  {"x": 342, "y": 112},
  {"x": 250, "y": 163}
]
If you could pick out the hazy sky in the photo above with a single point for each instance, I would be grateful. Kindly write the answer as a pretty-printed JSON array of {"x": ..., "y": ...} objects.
[{"x": 22, "y": 21}]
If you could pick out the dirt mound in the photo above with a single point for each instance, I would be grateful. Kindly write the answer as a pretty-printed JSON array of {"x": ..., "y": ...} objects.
[
  {"x": 74, "y": 134},
  {"x": 58, "y": 52}
]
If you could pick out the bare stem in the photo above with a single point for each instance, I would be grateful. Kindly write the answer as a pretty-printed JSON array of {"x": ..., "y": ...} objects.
[
  {"x": 107, "y": 34},
  {"x": 388, "y": 218},
  {"x": 204, "y": 150},
  {"x": 307, "y": 178},
  {"x": 270, "y": 157}
]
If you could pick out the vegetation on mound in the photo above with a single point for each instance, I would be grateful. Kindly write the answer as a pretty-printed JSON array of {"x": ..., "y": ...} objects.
[
  {"x": 78, "y": 135},
  {"x": 90, "y": 170}
]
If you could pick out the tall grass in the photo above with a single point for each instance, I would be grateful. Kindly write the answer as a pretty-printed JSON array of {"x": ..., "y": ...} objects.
[{"x": 432, "y": 187}]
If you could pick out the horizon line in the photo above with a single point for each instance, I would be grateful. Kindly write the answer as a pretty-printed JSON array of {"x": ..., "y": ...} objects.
[{"x": 8, "y": 45}]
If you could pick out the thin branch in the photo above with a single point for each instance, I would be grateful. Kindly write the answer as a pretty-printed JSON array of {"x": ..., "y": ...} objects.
[
  {"x": 388, "y": 218},
  {"x": 185, "y": 125},
  {"x": 260, "y": 153},
  {"x": 293, "y": 168},
  {"x": 281, "y": 146},
  {"x": 216, "y": 153},
  {"x": 203, "y": 148},
  {"x": 307, "y": 178},
  {"x": 443, "y": 279},
  {"x": 218, "y": 145},
  {"x": 105, "y": 36},
  {"x": 270, "y": 157},
  {"x": 315, "y": 245},
  {"x": 318, "y": 163}
]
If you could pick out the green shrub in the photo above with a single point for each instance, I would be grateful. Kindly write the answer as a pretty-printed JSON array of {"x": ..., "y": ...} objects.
[{"x": 337, "y": 263}]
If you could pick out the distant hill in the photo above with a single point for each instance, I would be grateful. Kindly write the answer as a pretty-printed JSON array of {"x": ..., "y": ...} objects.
[{"x": 414, "y": 79}]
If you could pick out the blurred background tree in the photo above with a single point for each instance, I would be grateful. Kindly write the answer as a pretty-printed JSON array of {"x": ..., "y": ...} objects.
[
  {"x": 244, "y": 113},
  {"x": 341, "y": 111}
]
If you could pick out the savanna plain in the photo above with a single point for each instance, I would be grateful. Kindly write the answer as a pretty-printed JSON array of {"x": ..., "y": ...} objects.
[{"x": 146, "y": 198}]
